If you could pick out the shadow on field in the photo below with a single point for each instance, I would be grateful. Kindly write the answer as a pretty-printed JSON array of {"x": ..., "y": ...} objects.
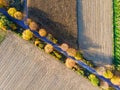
[
  {"x": 58, "y": 30},
  {"x": 85, "y": 43},
  {"x": 61, "y": 32}
]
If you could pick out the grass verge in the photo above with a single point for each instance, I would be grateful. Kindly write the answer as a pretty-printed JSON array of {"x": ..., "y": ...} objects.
[
  {"x": 2, "y": 35},
  {"x": 116, "y": 23}
]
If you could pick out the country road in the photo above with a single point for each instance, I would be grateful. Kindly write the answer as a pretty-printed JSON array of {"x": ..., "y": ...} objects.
[{"x": 24, "y": 67}]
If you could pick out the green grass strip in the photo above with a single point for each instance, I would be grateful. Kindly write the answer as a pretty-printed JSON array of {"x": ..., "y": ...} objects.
[
  {"x": 116, "y": 23},
  {"x": 2, "y": 35}
]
